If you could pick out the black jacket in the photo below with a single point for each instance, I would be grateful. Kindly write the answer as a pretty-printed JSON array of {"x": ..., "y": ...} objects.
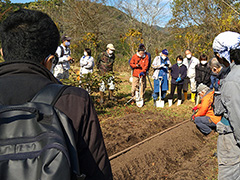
[
  {"x": 203, "y": 74},
  {"x": 20, "y": 81},
  {"x": 178, "y": 71}
]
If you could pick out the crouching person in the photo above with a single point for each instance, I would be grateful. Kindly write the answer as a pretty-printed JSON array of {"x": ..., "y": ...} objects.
[{"x": 205, "y": 119}]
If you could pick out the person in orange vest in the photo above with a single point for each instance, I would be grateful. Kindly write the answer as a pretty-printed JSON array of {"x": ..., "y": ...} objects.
[{"x": 205, "y": 119}]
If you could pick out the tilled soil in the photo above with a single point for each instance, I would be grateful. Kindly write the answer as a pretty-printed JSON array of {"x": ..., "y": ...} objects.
[{"x": 182, "y": 153}]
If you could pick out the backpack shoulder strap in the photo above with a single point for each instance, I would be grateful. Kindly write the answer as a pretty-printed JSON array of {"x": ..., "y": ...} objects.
[
  {"x": 62, "y": 51},
  {"x": 49, "y": 94}
]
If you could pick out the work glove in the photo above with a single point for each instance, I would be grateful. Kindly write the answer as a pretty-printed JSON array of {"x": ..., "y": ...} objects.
[
  {"x": 193, "y": 117},
  {"x": 178, "y": 79},
  {"x": 195, "y": 108},
  {"x": 141, "y": 74}
]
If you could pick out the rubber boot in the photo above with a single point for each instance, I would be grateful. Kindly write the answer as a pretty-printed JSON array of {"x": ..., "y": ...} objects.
[
  {"x": 111, "y": 95},
  {"x": 193, "y": 97},
  {"x": 170, "y": 102},
  {"x": 162, "y": 104},
  {"x": 197, "y": 100},
  {"x": 101, "y": 97},
  {"x": 185, "y": 96},
  {"x": 179, "y": 102}
]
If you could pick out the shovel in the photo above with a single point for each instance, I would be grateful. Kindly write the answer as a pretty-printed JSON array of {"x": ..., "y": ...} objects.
[
  {"x": 131, "y": 78},
  {"x": 149, "y": 82},
  {"x": 139, "y": 100},
  {"x": 158, "y": 103}
]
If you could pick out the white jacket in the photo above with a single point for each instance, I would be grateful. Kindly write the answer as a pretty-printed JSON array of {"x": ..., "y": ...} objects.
[
  {"x": 63, "y": 63},
  {"x": 191, "y": 64},
  {"x": 86, "y": 64}
]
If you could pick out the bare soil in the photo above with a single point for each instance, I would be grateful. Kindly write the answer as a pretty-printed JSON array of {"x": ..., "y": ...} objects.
[{"x": 182, "y": 153}]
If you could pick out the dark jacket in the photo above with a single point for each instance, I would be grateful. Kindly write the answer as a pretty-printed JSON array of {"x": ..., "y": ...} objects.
[
  {"x": 203, "y": 74},
  {"x": 20, "y": 81},
  {"x": 104, "y": 62},
  {"x": 178, "y": 71}
]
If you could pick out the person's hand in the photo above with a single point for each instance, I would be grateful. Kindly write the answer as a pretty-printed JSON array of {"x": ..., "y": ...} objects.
[
  {"x": 160, "y": 66},
  {"x": 69, "y": 58},
  {"x": 195, "y": 108},
  {"x": 178, "y": 79},
  {"x": 141, "y": 74},
  {"x": 193, "y": 117}
]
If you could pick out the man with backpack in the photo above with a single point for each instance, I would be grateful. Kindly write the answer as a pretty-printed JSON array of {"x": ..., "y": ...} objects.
[
  {"x": 29, "y": 41},
  {"x": 61, "y": 70}
]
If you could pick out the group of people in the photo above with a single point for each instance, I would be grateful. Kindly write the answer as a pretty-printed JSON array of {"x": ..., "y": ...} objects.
[
  {"x": 188, "y": 70},
  {"x": 29, "y": 43}
]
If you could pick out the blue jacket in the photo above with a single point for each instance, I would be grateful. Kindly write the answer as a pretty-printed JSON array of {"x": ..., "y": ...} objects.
[{"x": 178, "y": 71}]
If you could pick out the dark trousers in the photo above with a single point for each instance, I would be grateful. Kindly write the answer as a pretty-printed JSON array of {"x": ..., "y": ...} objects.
[{"x": 179, "y": 91}]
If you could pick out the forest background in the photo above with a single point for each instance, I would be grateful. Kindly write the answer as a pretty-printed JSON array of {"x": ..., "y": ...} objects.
[{"x": 126, "y": 24}]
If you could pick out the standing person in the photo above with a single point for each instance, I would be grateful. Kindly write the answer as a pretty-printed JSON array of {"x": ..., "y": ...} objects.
[
  {"x": 226, "y": 47},
  {"x": 26, "y": 71},
  {"x": 203, "y": 71},
  {"x": 160, "y": 65},
  {"x": 86, "y": 62},
  {"x": 104, "y": 64},
  {"x": 190, "y": 62},
  {"x": 205, "y": 119},
  {"x": 86, "y": 67},
  {"x": 61, "y": 70},
  {"x": 178, "y": 74},
  {"x": 142, "y": 46},
  {"x": 139, "y": 64}
]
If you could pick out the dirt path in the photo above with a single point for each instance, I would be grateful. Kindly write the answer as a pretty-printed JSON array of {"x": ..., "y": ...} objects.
[{"x": 182, "y": 153}]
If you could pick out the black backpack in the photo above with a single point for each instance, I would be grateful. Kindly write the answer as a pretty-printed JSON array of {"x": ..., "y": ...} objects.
[{"x": 36, "y": 140}]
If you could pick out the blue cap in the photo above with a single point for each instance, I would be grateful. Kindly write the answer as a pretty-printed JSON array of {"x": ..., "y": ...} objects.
[{"x": 165, "y": 51}]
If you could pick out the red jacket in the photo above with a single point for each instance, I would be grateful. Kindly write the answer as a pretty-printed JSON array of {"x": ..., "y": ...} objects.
[
  {"x": 205, "y": 108},
  {"x": 143, "y": 62}
]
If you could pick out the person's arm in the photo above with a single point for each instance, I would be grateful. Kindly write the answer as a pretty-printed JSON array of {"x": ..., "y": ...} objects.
[
  {"x": 173, "y": 73},
  {"x": 184, "y": 72},
  {"x": 231, "y": 100},
  {"x": 59, "y": 53},
  {"x": 92, "y": 154},
  {"x": 133, "y": 62},
  {"x": 83, "y": 62},
  {"x": 145, "y": 64},
  {"x": 99, "y": 60},
  {"x": 197, "y": 75},
  {"x": 203, "y": 108},
  {"x": 155, "y": 63},
  {"x": 90, "y": 63}
]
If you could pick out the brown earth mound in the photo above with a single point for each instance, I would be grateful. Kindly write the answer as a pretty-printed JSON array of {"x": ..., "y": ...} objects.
[{"x": 181, "y": 153}]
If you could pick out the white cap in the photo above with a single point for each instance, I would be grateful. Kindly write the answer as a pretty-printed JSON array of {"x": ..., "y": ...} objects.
[{"x": 110, "y": 46}]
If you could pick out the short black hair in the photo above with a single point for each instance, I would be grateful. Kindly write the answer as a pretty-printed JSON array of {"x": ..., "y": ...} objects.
[
  {"x": 28, "y": 35},
  {"x": 203, "y": 57},
  {"x": 89, "y": 52},
  {"x": 179, "y": 57},
  {"x": 235, "y": 56},
  {"x": 141, "y": 49}
]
